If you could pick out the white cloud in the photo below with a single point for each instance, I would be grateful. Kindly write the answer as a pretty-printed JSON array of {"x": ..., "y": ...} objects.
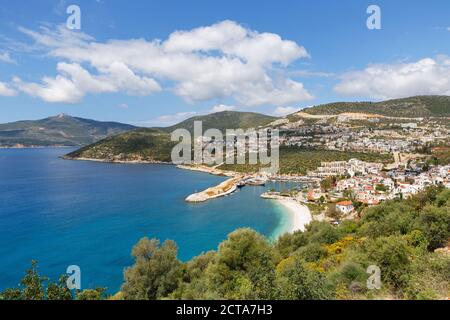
[
  {"x": 283, "y": 111},
  {"x": 59, "y": 37},
  {"x": 123, "y": 106},
  {"x": 448, "y": 28},
  {"x": 224, "y": 60},
  {"x": 222, "y": 107},
  {"x": 318, "y": 74},
  {"x": 5, "y": 90},
  {"x": 168, "y": 119},
  {"x": 5, "y": 57},
  {"x": 384, "y": 81},
  {"x": 234, "y": 40},
  {"x": 74, "y": 82}
]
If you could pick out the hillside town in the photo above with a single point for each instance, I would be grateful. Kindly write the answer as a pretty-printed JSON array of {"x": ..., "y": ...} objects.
[
  {"x": 362, "y": 134},
  {"x": 348, "y": 186},
  {"x": 370, "y": 184}
]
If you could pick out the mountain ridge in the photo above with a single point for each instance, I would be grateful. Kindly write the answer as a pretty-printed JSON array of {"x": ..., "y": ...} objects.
[
  {"x": 73, "y": 131},
  {"x": 224, "y": 120},
  {"x": 413, "y": 107},
  {"x": 59, "y": 130},
  {"x": 154, "y": 144}
]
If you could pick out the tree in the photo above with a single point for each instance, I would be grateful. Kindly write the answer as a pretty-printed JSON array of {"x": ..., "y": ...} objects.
[
  {"x": 327, "y": 183},
  {"x": 244, "y": 268},
  {"x": 381, "y": 187},
  {"x": 333, "y": 212},
  {"x": 294, "y": 281},
  {"x": 195, "y": 282},
  {"x": 32, "y": 287},
  {"x": 434, "y": 222},
  {"x": 290, "y": 242},
  {"x": 156, "y": 272},
  {"x": 312, "y": 252},
  {"x": 350, "y": 194},
  {"x": 59, "y": 290},
  {"x": 322, "y": 200},
  {"x": 32, "y": 284},
  {"x": 322, "y": 233},
  {"x": 391, "y": 255},
  {"x": 91, "y": 294},
  {"x": 393, "y": 217},
  {"x": 11, "y": 294}
]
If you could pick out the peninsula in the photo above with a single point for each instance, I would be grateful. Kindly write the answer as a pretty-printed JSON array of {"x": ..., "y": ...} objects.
[{"x": 223, "y": 189}]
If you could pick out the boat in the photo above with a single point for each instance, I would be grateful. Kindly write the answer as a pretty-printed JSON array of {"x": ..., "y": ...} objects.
[
  {"x": 256, "y": 182},
  {"x": 241, "y": 184}
]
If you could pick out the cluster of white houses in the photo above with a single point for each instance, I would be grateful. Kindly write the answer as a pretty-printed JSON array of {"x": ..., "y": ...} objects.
[
  {"x": 342, "y": 168},
  {"x": 367, "y": 183},
  {"x": 395, "y": 137}
]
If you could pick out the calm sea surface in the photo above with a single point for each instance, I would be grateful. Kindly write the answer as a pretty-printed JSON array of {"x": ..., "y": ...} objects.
[{"x": 90, "y": 214}]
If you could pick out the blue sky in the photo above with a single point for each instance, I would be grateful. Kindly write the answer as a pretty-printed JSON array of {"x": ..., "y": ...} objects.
[{"x": 327, "y": 54}]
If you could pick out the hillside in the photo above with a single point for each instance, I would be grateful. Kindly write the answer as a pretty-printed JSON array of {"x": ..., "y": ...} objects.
[
  {"x": 419, "y": 106},
  {"x": 60, "y": 130},
  {"x": 225, "y": 120},
  {"x": 153, "y": 144},
  {"x": 146, "y": 145}
]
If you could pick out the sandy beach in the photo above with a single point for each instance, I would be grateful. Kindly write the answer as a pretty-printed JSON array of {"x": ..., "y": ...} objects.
[{"x": 300, "y": 215}]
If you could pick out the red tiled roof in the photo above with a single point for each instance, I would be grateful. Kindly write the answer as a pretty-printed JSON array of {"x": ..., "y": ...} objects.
[{"x": 344, "y": 203}]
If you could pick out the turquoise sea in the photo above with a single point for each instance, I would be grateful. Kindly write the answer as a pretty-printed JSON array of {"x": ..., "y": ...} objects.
[{"x": 90, "y": 214}]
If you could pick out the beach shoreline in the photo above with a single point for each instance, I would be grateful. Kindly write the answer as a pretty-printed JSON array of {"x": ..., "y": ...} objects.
[{"x": 298, "y": 215}]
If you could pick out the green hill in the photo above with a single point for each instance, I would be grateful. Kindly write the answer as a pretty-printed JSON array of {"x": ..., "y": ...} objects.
[
  {"x": 225, "y": 120},
  {"x": 146, "y": 144},
  {"x": 154, "y": 144},
  {"x": 419, "y": 106},
  {"x": 60, "y": 130}
]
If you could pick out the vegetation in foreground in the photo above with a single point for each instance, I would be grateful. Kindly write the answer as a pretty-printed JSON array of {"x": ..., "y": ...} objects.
[
  {"x": 324, "y": 262},
  {"x": 36, "y": 287}
]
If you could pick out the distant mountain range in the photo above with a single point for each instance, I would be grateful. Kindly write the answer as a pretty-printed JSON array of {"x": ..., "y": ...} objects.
[
  {"x": 60, "y": 130},
  {"x": 71, "y": 131}
]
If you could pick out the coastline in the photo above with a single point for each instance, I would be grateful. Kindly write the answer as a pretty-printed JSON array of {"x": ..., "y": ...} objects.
[
  {"x": 36, "y": 147},
  {"x": 116, "y": 161},
  {"x": 295, "y": 217},
  {"x": 209, "y": 170}
]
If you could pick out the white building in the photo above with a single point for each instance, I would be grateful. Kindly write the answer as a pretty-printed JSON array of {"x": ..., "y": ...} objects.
[{"x": 345, "y": 207}]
